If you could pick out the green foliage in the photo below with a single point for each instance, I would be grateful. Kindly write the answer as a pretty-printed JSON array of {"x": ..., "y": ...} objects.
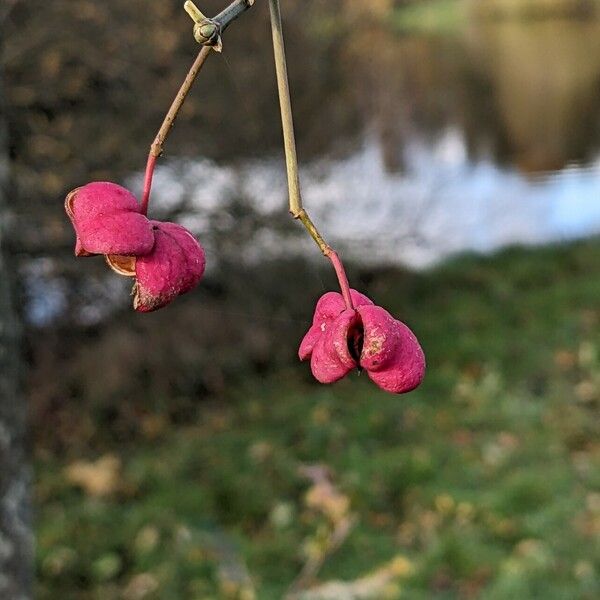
[
  {"x": 450, "y": 16},
  {"x": 485, "y": 479},
  {"x": 430, "y": 16},
  {"x": 536, "y": 9}
]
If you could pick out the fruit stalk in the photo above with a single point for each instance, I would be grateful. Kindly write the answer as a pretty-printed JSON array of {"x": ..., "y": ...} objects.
[
  {"x": 208, "y": 33},
  {"x": 157, "y": 146},
  {"x": 295, "y": 195}
]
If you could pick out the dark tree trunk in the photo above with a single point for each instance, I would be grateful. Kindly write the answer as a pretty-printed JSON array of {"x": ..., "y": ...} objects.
[{"x": 16, "y": 541}]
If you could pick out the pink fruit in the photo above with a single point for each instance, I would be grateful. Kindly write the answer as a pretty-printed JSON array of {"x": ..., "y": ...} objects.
[
  {"x": 164, "y": 258},
  {"x": 174, "y": 267},
  {"x": 366, "y": 337},
  {"x": 107, "y": 220}
]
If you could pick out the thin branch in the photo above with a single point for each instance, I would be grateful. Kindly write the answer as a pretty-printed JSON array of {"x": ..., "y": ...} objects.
[
  {"x": 285, "y": 104},
  {"x": 291, "y": 156},
  {"x": 157, "y": 146},
  {"x": 373, "y": 586},
  {"x": 328, "y": 500},
  {"x": 208, "y": 33},
  {"x": 6, "y": 9},
  {"x": 313, "y": 565}
]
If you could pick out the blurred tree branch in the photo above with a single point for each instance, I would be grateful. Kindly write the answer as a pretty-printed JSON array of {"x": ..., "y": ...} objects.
[
  {"x": 380, "y": 584},
  {"x": 5, "y": 9},
  {"x": 16, "y": 544},
  {"x": 326, "y": 500}
]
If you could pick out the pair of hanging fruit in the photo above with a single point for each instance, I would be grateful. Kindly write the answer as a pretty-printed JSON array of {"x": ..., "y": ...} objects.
[{"x": 348, "y": 331}]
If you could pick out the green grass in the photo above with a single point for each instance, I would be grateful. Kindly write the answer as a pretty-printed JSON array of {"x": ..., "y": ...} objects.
[
  {"x": 430, "y": 16},
  {"x": 525, "y": 10},
  {"x": 448, "y": 17},
  {"x": 487, "y": 478}
]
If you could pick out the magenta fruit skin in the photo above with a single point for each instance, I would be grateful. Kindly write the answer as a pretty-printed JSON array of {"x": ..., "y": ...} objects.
[
  {"x": 107, "y": 220},
  {"x": 328, "y": 308},
  {"x": 174, "y": 267},
  {"x": 387, "y": 349},
  {"x": 165, "y": 259}
]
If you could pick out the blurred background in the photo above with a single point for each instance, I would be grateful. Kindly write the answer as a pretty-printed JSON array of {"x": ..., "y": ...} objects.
[{"x": 451, "y": 150}]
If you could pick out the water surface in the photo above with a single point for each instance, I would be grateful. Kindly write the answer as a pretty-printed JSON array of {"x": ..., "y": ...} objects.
[{"x": 434, "y": 144}]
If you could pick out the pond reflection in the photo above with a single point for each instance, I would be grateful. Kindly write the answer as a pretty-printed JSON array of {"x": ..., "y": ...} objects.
[
  {"x": 545, "y": 82},
  {"x": 466, "y": 142},
  {"x": 414, "y": 146},
  {"x": 523, "y": 93},
  {"x": 443, "y": 202}
]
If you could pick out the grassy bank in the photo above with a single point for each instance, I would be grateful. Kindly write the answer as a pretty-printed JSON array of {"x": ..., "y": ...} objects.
[
  {"x": 483, "y": 483},
  {"x": 536, "y": 9},
  {"x": 431, "y": 16},
  {"x": 450, "y": 16}
]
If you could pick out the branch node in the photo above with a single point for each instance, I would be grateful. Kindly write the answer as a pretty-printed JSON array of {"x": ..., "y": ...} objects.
[{"x": 208, "y": 32}]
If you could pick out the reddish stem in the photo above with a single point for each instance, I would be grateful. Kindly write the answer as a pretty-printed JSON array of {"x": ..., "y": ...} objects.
[
  {"x": 296, "y": 209},
  {"x": 150, "y": 166},
  {"x": 156, "y": 148},
  {"x": 342, "y": 277},
  {"x": 329, "y": 252}
]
